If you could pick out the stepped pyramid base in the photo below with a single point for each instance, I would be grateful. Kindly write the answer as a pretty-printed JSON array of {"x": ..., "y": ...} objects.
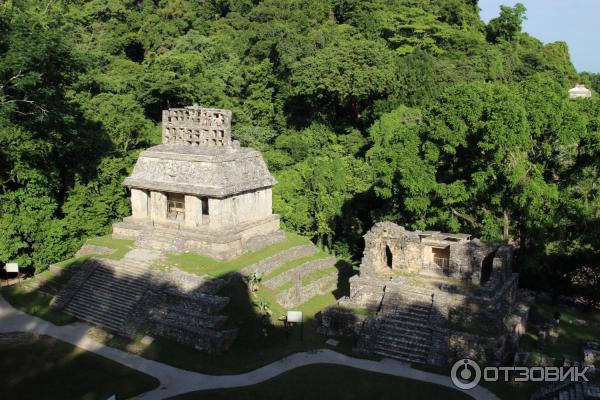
[
  {"x": 127, "y": 297},
  {"x": 219, "y": 243}
]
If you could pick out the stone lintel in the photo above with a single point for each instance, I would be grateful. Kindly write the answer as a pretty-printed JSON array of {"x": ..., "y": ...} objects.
[{"x": 196, "y": 190}]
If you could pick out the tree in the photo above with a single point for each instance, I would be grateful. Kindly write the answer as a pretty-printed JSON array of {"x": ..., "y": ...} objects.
[
  {"x": 480, "y": 141},
  {"x": 403, "y": 178},
  {"x": 348, "y": 75},
  {"x": 507, "y": 25}
]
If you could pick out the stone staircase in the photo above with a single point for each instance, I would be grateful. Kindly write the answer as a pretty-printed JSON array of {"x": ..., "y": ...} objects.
[
  {"x": 105, "y": 292},
  {"x": 405, "y": 331},
  {"x": 127, "y": 297}
]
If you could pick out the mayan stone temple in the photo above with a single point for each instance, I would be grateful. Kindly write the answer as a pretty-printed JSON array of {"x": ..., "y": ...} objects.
[
  {"x": 200, "y": 191},
  {"x": 433, "y": 298}
]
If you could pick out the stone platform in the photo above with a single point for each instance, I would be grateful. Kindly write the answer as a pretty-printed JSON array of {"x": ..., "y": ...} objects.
[
  {"x": 128, "y": 297},
  {"x": 219, "y": 243}
]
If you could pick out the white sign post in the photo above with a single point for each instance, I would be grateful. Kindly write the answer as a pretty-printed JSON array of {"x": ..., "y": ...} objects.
[
  {"x": 295, "y": 317},
  {"x": 11, "y": 268}
]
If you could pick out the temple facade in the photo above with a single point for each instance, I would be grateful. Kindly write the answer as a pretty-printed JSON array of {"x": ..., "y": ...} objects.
[
  {"x": 433, "y": 297},
  {"x": 199, "y": 190}
]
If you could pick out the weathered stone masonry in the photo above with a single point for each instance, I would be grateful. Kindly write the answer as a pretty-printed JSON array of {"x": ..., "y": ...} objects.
[{"x": 437, "y": 297}]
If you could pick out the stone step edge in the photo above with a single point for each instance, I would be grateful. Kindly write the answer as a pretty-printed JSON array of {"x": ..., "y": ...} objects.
[
  {"x": 302, "y": 269},
  {"x": 97, "y": 319},
  {"x": 319, "y": 287},
  {"x": 74, "y": 285},
  {"x": 269, "y": 264}
]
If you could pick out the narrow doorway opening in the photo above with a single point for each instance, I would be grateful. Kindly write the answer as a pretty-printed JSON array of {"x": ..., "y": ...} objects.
[{"x": 388, "y": 256}]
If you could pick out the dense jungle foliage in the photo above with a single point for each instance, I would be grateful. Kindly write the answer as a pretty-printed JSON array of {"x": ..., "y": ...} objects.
[{"x": 413, "y": 111}]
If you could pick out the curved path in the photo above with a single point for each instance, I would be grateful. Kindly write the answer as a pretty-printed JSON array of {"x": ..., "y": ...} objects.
[{"x": 175, "y": 381}]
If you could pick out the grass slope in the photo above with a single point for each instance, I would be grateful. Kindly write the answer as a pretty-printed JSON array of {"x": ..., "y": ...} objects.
[
  {"x": 122, "y": 246},
  {"x": 50, "y": 369}
]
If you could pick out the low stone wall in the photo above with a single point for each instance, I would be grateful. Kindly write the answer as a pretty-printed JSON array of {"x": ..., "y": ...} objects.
[
  {"x": 300, "y": 271},
  {"x": 207, "y": 340},
  {"x": 269, "y": 264},
  {"x": 484, "y": 350},
  {"x": 88, "y": 249},
  {"x": 366, "y": 292},
  {"x": 299, "y": 294},
  {"x": 340, "y": 322}
]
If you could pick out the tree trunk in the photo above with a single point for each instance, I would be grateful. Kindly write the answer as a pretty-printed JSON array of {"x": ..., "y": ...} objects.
[{"x": 505, "y": 235}]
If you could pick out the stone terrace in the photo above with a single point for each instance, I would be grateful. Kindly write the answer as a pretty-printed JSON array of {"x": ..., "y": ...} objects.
[{"x": 297, "y": 275}]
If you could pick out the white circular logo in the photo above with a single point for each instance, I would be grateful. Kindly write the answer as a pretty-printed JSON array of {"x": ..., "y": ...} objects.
[{"x": 465, "y": 374}]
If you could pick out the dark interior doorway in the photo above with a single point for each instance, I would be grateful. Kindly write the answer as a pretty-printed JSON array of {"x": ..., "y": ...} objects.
[
  {"x": 388, "y": 256},
  {"x": 486, "y": 268}
]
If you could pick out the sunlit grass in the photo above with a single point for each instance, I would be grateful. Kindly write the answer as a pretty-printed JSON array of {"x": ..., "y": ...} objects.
[{"x": 202, "y": 265}]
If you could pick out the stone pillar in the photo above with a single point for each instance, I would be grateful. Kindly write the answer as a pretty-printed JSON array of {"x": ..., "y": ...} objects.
[
  {"x": 158, "y": 206},
  {"x": 216, "y": 213},
  {"x": 139, "y": 203},
  {"x": 193, "y": 211}
]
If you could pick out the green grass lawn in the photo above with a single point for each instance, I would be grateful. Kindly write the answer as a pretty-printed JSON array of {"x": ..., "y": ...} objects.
[
  {"x": 50, "y": 369},
  {"x": 332, "y": 382},
  {"x": 571, "y": 333},
  {"x": 201, "y": 265},
  {"x": 503, "y": 390}
]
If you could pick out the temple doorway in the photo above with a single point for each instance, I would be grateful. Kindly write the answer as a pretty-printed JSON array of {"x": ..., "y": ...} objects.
[
  {"x": 176, "y": 206},
  {"x": 389, "y": 258}
]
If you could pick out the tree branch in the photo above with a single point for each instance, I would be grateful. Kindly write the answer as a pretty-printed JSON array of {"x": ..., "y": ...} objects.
[{"x": 471, "y": 220}]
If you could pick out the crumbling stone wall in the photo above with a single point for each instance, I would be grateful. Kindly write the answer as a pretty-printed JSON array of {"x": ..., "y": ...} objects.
[
  {"x": 408, "y": 249},
  {"x": 366, "y": 292},
  {"x": 403, "y": 245}
]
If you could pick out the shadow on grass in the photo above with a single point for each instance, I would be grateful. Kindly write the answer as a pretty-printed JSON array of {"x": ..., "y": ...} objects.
[
  {"x": 325, "y": 381},
  {"x": 261, "y": 338},
  {"x": 46, "y": 368}
]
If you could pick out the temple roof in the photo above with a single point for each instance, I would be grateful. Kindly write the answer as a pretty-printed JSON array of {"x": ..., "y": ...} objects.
[{"x": 202, "y": 171}]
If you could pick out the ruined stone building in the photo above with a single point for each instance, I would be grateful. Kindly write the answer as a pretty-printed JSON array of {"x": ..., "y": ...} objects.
[
  {"x": 579, "y": 91},
  {"x": 199, "y": 190},
  {"x": 434, "y": 297}
]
